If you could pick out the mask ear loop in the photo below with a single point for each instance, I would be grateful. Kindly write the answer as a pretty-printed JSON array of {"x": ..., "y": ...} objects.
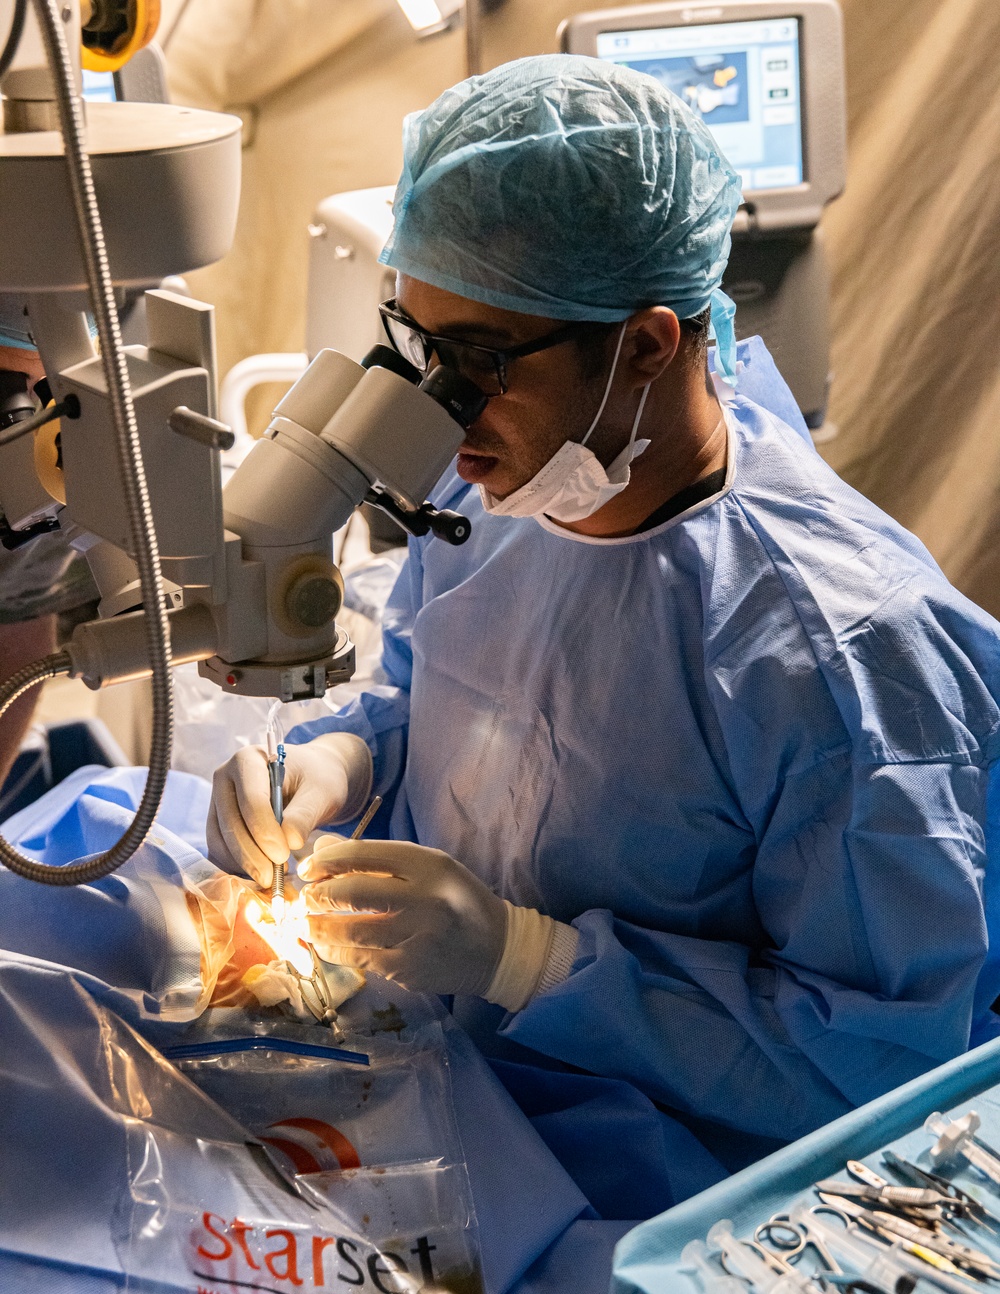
[
  {"x": 638, "y": 415},
  {"x": 607, "y": 389}
]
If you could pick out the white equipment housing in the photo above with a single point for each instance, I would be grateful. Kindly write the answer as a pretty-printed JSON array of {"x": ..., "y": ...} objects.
[{"x": 346, "y": 281}]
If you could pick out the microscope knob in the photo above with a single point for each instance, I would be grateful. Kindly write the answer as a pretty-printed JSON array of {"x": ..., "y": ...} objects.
[
  {"x": 313, "y": 600},
  {"x": 450, "y": 526}
]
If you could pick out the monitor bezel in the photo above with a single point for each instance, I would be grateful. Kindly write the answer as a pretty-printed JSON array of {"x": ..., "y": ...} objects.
[{"x": 821, "y": 81}]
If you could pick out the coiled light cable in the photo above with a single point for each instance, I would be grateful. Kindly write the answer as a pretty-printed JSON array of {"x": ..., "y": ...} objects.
[{"x": 140, "y": 513}]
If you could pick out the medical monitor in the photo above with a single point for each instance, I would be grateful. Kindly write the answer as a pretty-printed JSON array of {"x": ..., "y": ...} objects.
[
  {"x": 766, "y": 78},
  {"x": 741, "y": 78}
]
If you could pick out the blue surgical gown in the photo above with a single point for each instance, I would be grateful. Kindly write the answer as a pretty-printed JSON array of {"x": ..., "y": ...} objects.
[{"x": 748, "y": 755}]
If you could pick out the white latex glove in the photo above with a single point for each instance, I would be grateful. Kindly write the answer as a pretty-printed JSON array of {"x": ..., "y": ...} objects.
[
  {"x": 327, "y": 780},
  {"x": 417, "y": 916}
]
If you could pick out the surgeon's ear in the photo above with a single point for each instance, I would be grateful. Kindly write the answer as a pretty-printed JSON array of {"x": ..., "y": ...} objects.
[{"x": 654, "y": 338}]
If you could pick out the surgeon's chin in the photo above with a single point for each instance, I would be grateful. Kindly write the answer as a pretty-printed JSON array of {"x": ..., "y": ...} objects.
[{"x": 476, "y": 468}]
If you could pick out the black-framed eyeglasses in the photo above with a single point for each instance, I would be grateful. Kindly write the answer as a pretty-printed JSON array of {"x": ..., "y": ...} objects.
[{"x": 484, "y": 365}]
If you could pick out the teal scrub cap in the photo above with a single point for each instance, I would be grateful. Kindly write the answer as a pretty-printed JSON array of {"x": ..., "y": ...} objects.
[{"x": 567, "y": 187}]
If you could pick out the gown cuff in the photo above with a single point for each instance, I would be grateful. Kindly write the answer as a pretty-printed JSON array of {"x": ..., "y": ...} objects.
[
  {"x": 562, "y": 955},
  {"x": 538, "y": 954}
]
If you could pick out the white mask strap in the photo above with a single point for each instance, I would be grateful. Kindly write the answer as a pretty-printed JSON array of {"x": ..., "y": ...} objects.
[
  {"x": 607, "y": 389},
  {"x": 638, "y": 414}
]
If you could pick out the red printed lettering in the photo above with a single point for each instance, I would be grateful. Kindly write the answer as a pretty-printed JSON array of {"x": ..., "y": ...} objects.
[
  {"x": 227, "y": 1248},
  {"x": 241, "y": 1230},
  {"x": 288, "y": 1252},
  {"x": 319, "y": 1244}
]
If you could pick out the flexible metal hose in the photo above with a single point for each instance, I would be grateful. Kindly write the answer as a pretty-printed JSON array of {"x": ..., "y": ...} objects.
[{"x": 140, "y": 513}]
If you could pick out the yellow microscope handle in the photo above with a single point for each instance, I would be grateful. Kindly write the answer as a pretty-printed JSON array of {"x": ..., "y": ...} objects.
[{"x": 114, "y": 30}]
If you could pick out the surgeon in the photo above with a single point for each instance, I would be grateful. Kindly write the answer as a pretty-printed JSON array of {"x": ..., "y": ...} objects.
[{"x": 688, "y": 754}]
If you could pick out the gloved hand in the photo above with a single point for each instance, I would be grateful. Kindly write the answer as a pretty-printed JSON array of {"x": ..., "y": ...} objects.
[
  {"x": 408, "y": 913},
  {"x": 327, "y": 780},
  {"x": 417, "y": 916}
]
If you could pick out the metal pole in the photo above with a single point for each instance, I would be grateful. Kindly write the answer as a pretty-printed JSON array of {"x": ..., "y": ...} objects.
[{"x": 473, "y": 33}]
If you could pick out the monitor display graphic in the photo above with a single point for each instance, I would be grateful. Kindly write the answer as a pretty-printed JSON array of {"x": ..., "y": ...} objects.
[{"x": 742, "y": 78}]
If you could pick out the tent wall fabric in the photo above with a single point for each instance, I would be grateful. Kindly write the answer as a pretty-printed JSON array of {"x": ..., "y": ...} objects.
[
  {"x": 917, "y": 278},
  {"x": 322, "y": 86}
]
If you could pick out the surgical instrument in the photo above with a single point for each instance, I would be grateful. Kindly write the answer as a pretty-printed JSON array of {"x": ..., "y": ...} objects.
[
  {"x": 712, "y": 1279},
  {"x": 912, "y": 1239},
  {"x": 276, "y": 777},
  {"x": 862, "y": 1173},
  {"x": 961, "y": 1202},
  {"x": 874, "y": 1264},
  {"x": 763, "y": 1270},
  {"x": 961, "y": 1255},
  {"x": 769, "y": 1234},
  {"x": 910, "y": 1198},
  {"x": 369, "y": 813},
  {"x": 956, "y": 1140},
  {"x": 327, "y": 1013}
]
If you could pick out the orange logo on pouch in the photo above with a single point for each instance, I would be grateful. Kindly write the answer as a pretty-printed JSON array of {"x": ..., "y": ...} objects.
[
  {"x": 313, "y": 1146},
  {"x": 239, "y": 1255}
]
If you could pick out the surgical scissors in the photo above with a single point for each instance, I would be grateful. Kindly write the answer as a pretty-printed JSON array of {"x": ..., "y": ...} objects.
[
  {"x": 763, "y": 1270},
  {"x": 872, "y": 1264},
  {"x": 769, "y": 1234}
]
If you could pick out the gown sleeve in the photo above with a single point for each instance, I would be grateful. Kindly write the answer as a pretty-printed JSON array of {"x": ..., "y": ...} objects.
[
  {"x": 380, "y": 716},
  {"x": 869, "y": 883}
]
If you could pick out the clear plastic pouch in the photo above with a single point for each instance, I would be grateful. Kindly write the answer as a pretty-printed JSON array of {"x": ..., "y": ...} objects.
[
  {"x": 210, "y": 1217},
  {"x": 319, "y": 1115},
  {"x": 350, "y": 1174}
]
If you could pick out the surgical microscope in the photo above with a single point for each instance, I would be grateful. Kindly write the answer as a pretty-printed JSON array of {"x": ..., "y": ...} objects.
[{"x": 119, "y": 446}]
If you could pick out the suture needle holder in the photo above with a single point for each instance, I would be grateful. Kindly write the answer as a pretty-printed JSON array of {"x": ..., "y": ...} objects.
[
  {"x": 276, "y": 777},
  {"x": 369, "y": 813}
]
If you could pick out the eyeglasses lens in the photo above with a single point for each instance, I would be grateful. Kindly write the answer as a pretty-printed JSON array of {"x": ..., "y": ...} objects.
[
  {"x": 479, "y": 366},
  {"x": 409, "y": 343}
]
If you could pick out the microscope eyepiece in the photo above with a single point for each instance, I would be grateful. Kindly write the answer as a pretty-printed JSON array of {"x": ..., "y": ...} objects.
[
  {"x": 459, "y": 395},
  {"x": 385, "y": 357}
]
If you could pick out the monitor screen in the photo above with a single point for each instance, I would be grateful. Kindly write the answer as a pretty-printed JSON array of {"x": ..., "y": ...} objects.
[
  {"x": 742, "y": 78},
  {"x": 99, "y": 87}
]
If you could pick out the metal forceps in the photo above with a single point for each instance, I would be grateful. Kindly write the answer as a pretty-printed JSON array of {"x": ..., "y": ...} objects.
[
  {"x": 948, "y": 1258},
  {"x": 959, "y": 1202}
]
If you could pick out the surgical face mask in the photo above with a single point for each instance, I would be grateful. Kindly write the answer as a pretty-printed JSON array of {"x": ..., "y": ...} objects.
[{"x": 573, "y": 484}]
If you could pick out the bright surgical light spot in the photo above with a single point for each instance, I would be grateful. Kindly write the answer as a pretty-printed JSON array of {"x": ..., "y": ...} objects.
[{"x": 286, "y": 932}]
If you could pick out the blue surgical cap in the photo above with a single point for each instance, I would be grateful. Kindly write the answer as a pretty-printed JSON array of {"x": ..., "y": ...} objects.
[{"x": 567, "y": 187}]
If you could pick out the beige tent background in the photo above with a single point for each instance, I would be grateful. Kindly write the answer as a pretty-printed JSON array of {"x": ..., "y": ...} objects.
[{"x": 322, "y": 86}]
